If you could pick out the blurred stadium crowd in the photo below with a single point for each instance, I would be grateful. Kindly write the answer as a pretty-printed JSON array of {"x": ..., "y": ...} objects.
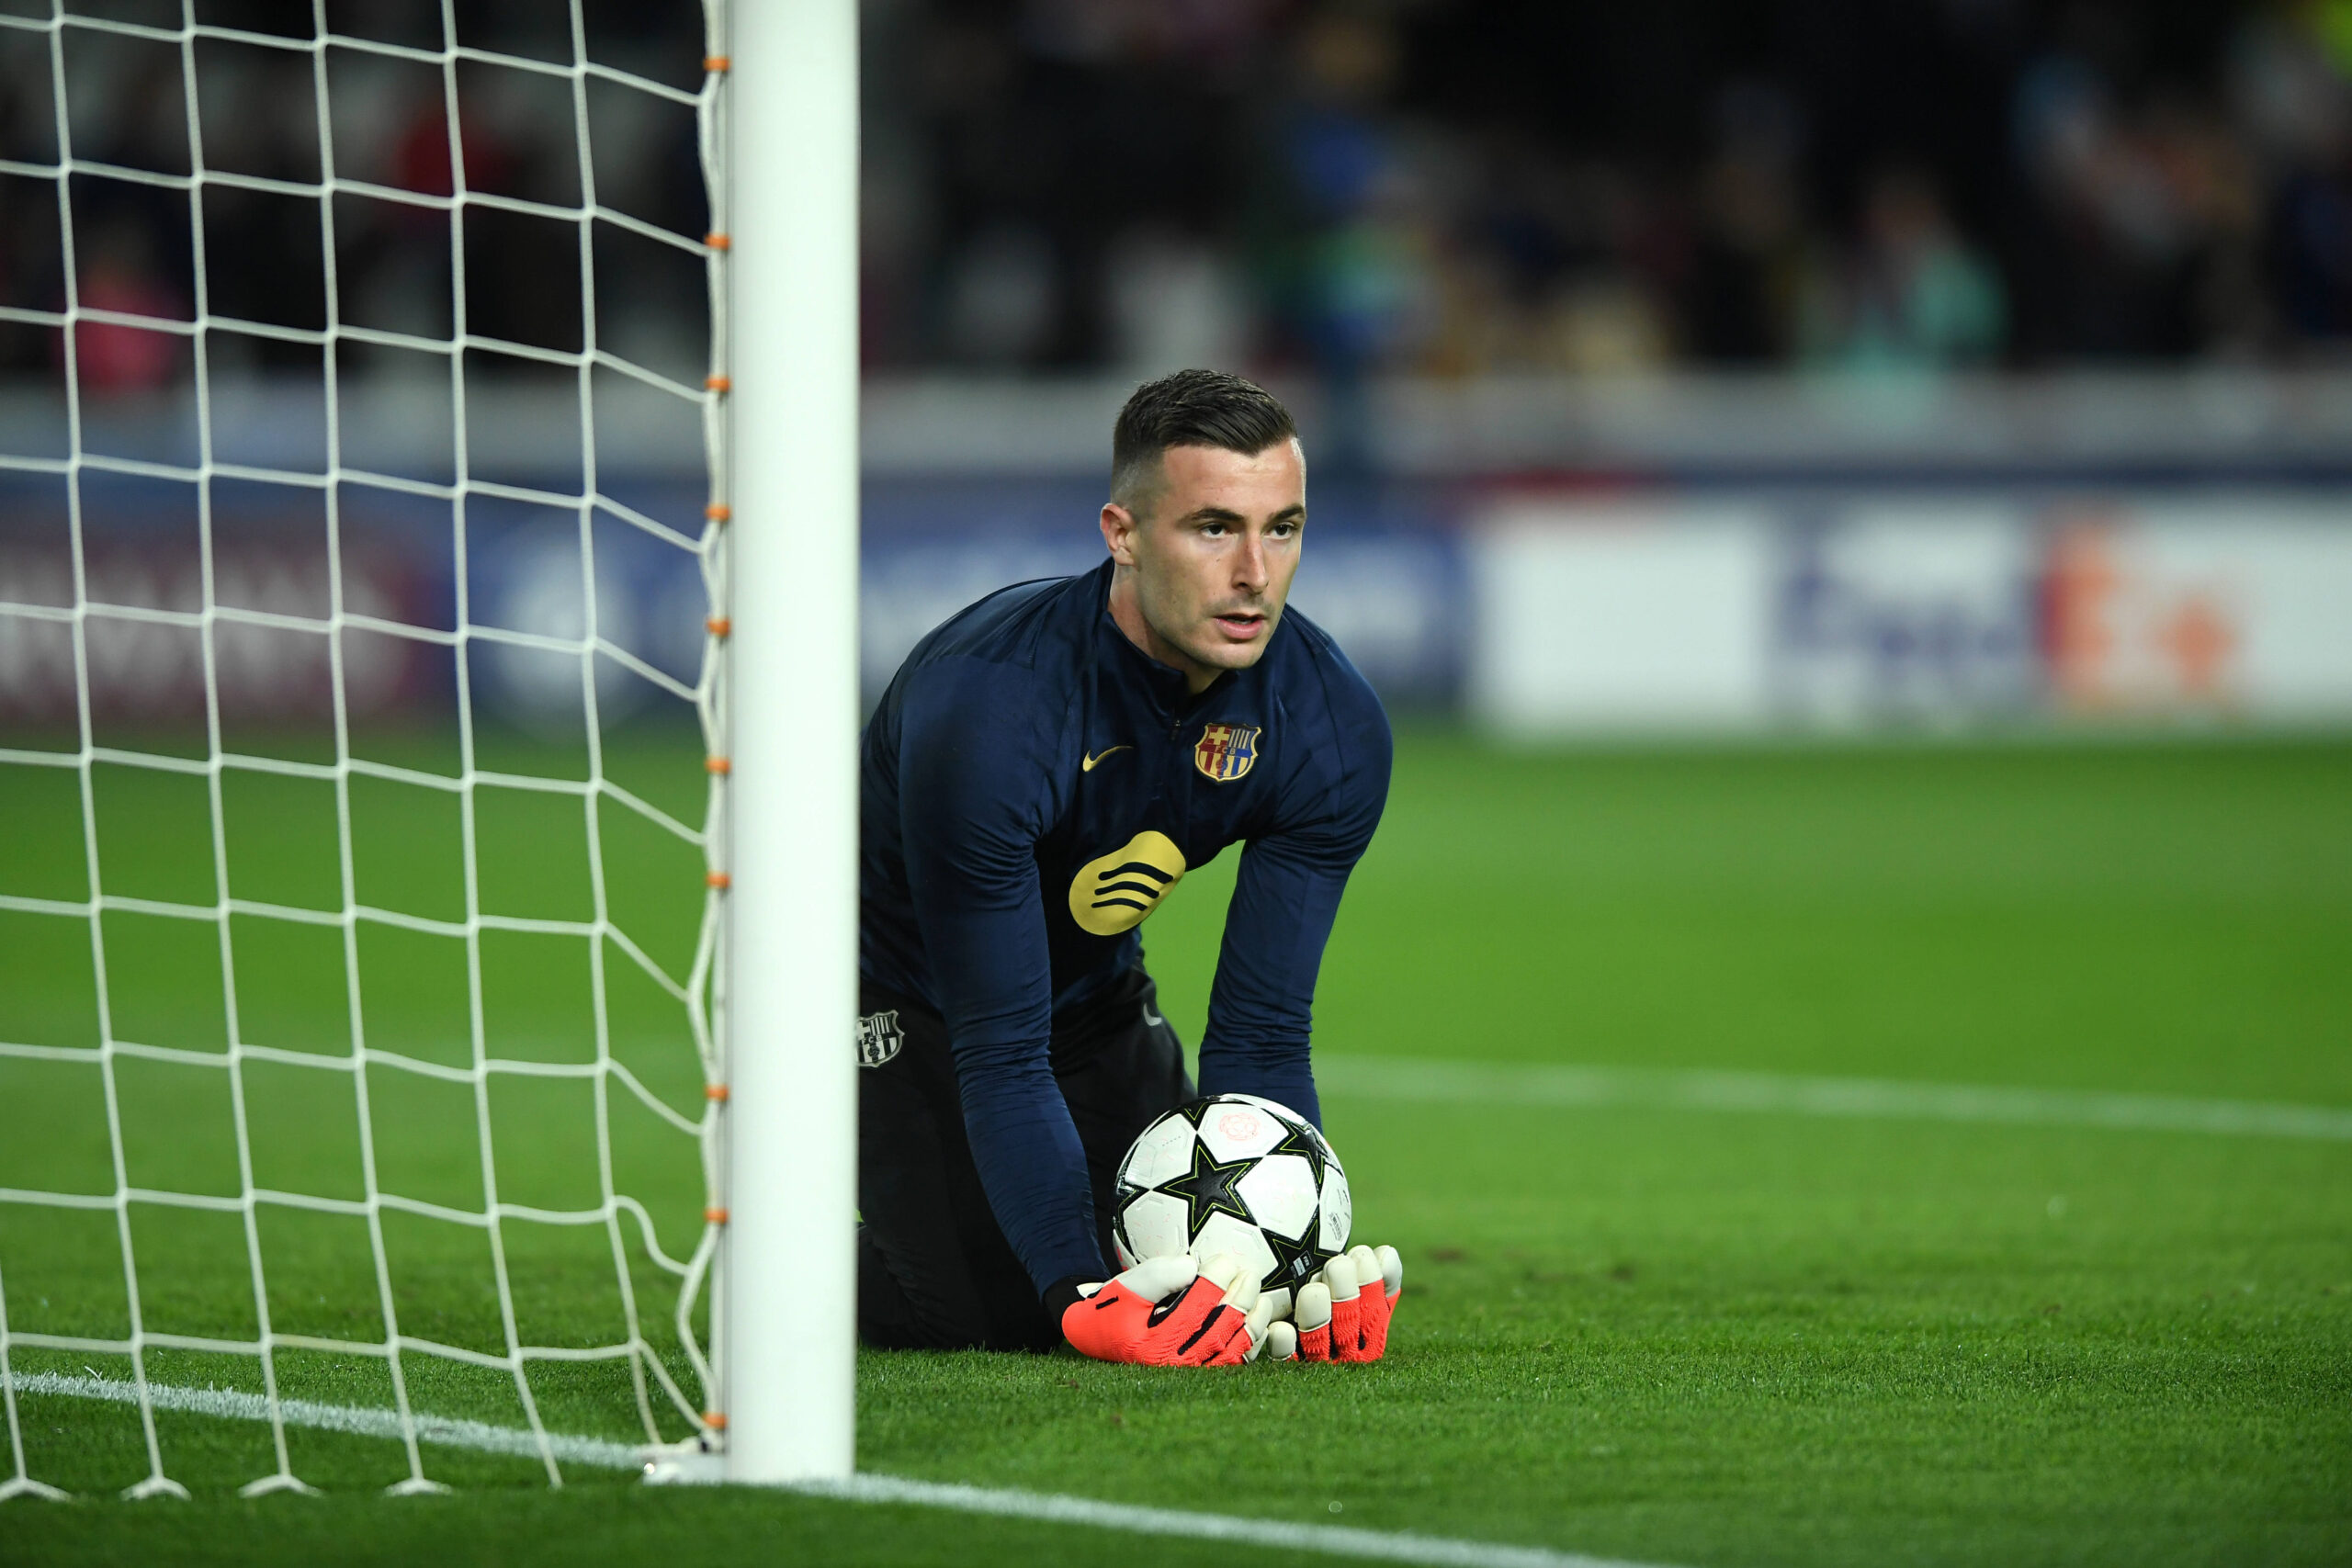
[
  {"x": 264, "y": 258},
  {"x": 1455, "y": 187},
  {"x": 1443, "y": 187}
]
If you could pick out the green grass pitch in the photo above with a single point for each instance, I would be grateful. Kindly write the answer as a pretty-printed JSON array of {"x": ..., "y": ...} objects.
[{"x": 1669, "y": 1335}]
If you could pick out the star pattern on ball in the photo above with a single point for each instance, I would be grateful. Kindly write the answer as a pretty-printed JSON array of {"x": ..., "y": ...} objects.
[
  {"x": 1303, "y": 1140},
  {"x": 1208, "y": 1189},
  {"x": 1295, "y": 1261}
]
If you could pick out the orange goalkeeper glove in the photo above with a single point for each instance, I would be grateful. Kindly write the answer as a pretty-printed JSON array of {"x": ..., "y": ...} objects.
[
  {"x": 1169, "y": 1311},
  {"x": 1343, "y": 1316}
]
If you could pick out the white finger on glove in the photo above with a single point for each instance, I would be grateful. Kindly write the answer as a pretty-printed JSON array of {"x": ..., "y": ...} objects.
[
  {"x": 1156, "y": 1278},
  {"x": 1313, "y": 1310},
  {"x": 1238, "y": 1308},
  {"x": 1282, "y": 1342},
  {"x": 1343, "y": 1314},
  {"x": 1240, "y": 1288},
  {"x": 1258, "y": 1326}
]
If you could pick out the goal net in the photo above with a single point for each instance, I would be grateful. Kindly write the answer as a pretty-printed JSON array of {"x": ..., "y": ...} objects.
[{"x": 368, "y": 748}]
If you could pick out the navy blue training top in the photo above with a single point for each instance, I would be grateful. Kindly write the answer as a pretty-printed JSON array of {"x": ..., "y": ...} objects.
[{"x": 1033, "y": 786}]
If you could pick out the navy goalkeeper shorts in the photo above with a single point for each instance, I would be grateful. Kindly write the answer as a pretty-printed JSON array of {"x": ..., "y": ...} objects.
[{"x": 933, "y": 1270}]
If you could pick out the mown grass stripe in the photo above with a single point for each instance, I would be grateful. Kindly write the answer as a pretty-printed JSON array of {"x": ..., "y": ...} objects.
[
  {"x": 1487, "y": 1083},
  {"x": 1330, "y": 1541}
]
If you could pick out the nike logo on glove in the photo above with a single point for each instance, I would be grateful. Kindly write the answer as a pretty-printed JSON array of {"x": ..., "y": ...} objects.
[{"x": 1087, "y": 765}]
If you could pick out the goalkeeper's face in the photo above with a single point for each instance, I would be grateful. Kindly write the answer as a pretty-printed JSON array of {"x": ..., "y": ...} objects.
[{"x": 1204, "y": 571}]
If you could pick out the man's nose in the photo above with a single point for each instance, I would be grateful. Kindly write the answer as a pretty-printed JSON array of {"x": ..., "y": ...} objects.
[{"x": 1249, "y": 569}]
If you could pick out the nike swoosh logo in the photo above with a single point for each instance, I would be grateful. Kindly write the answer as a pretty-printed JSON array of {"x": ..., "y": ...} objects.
[{"x": 1087, "y": 765}]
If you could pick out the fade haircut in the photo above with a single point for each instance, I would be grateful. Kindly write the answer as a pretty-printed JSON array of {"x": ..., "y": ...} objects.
[{"x": 1190, "y": 408}]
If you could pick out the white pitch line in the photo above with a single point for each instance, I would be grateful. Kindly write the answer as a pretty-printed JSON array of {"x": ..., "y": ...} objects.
[
  {"x": 1495, "y": 1083},
  {"x": 1332, "y": 1541},
  {"x": 236, "y": 1404},
  {"x": 1335, "y": 1541}
]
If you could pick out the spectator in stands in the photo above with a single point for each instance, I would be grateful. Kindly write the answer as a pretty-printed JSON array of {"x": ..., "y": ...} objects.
[
  {"x": 1911, "y": 293},
  {"x": 1342, "y": 185},
  {"x": 118, "y": 275}
]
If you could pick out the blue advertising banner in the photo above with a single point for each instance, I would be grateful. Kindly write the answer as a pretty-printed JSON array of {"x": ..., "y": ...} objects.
[{"x": 1381, "y": 574}]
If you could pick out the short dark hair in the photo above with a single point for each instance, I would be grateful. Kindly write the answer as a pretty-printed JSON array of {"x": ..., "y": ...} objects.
[{"x": 1190, "y": 408}]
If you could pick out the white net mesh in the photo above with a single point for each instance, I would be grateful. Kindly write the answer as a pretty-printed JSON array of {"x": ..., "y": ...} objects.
[{"x": 360, "y": 1039}]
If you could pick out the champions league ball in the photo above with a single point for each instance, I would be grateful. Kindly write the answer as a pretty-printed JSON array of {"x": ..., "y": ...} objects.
[{"x": 1235, "y": 1174}]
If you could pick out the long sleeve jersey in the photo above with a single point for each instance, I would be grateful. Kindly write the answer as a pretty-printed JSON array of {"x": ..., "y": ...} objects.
[{"x": 1033, "y": 786}]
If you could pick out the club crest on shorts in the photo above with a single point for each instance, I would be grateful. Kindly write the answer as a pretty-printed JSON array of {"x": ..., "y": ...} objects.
[
  {"x": 879, "y": 1038},
  {"x": 1226, "y": 752}
]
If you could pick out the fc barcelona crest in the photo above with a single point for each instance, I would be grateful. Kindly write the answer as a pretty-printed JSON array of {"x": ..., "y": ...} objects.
[
  {"x": 1227, "y": 750},
  {"x": 879, "y": 1038}
]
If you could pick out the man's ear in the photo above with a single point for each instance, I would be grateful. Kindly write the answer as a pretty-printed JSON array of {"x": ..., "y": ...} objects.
[{"x": 1119, "y": 527}]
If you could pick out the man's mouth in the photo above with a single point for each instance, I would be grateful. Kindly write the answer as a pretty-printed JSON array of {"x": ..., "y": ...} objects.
[{"x": 1240, "y": 626}]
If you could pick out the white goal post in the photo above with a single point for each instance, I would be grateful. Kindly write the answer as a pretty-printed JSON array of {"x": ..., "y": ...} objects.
[
  {"x": 760, "y": 996},
  {"x": 789, "y": 1291}
]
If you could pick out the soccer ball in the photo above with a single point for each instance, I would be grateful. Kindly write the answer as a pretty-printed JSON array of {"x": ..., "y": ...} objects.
[{"x": 1235, "y": 1174}]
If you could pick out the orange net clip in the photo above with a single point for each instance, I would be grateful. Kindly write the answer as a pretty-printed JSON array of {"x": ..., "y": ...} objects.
[
  {"x": 719, "y": 625},
  {"x": 718, "y": 765},
  {"x": 718, "y": 384},
  {"x": 716, "y": 1216},
  {"x": 715, "y": 62},
  {"x": 718, "y": 879},
  {"x": 714, "y": 1091},
  {"x": 714, "y": 1420},
  {"x": 718, "y": 512},
  {"x": 716, "y": 241}
]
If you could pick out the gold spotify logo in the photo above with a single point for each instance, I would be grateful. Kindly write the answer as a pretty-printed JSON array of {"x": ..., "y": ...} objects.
[{"x": 1113, "y": 893}]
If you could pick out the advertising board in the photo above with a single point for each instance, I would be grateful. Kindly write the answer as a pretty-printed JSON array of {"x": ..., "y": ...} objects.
[
  {"x": 1902, "y": 612},
  {"x": 1619, "y": 616},
  {"x": 1540, "y": 615},
  {"x": 2225, "y": 609},
  {"x": 1910, "y": 613}
]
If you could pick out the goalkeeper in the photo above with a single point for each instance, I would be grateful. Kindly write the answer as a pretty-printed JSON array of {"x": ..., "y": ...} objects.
[{"x": 1043, "y": 769}]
